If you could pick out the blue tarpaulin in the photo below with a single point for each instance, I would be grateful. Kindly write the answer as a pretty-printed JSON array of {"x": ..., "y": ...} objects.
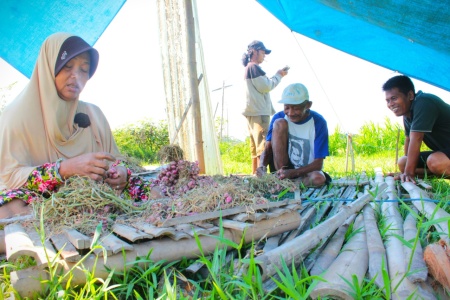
[
  {"x": 24, "y": 25},
  {"x": 408, "y": 36}
]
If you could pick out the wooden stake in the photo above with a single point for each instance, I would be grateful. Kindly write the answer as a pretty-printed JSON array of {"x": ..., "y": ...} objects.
[{"x": 396, "y": 150}]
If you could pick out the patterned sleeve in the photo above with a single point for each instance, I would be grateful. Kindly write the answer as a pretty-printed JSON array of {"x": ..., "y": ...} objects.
[
  {"x": 45, "y": 179},
  {"x": 42, "y": 181}
]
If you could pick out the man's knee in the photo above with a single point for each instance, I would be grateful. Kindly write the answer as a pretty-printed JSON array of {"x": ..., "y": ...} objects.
[
  {"x": 402, "y": 163},
  {"x": 280, "y": 125},
  {"x": 315, "y": 179},
  {"x": 438, "y": 163}
]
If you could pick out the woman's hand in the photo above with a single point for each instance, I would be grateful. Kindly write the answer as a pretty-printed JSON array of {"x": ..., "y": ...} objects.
[
  {"x": 93, "y": 165},
  {"x": 117, "y": 177}
]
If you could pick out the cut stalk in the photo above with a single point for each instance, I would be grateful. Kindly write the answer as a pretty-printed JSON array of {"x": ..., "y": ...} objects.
[
  {"x": 352, "y": 261},
  {"x": 418, "y": 270},
  {"x": 331, "y": 251},
  {"x": 295, "y": 250},
  {"x": 377, "y": 253}
]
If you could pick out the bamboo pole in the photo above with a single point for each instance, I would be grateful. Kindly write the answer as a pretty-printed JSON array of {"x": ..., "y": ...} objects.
[
  {"x": 295, "y": 250},
  {"x": 193, "y": 83},
  {"x": 401, "y": 287},
  {"x": 352, "y": 261},
  {"x": 377, "y": 253},
  {"x": 27, "y": 281},
  {"x": 429, "y": 209},
  {"x": 396, "y": 150},
  {"x": 331, "y": 251},
  {"x": 418, "y": 270}
]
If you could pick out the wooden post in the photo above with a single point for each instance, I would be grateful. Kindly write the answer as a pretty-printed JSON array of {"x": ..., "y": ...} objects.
[
  {"x": 346, "y": 154},
  {"x": 396, "y": 150},
  {"x": 192, "y": 65},
  {"x": 221, "y": 118}
]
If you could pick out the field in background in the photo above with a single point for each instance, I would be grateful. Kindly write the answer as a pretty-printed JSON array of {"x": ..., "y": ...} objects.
[{"x": 375, "y": 145}]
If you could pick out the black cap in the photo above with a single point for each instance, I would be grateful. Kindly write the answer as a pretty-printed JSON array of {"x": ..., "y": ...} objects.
[
  {"x": 72, "y": 47},
  {"x": 258, "y": 45}
]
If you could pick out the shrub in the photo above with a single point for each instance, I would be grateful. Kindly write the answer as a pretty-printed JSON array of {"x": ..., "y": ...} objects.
[
  {"x": 142, "y": 140},
  {"x": 337, "y": 142}
]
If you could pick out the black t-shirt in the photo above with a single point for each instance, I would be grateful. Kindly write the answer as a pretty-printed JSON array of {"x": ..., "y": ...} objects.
[{"x": 431, "y": 115}]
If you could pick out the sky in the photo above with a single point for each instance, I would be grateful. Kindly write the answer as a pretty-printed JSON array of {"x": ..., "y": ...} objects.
[{"x": 128, "y": 84}]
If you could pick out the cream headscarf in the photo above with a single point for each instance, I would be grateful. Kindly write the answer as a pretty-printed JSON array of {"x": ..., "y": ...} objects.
[{"x": 38, "y": 126}]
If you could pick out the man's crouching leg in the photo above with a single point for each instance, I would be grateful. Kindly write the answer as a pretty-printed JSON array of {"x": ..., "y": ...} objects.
[{"x": 315, "y": 178}]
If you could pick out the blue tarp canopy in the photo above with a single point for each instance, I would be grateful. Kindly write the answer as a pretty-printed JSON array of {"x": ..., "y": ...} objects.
[
  {"x": 24, "y": 25},
  {"x": 408, "y": 36}
]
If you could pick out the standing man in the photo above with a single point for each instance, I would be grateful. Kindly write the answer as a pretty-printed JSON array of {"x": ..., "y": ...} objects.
[
  {"x": 259, "y": 107},
  {"x": 426, "y": 118},
  {"x": 297, "y": 142}
]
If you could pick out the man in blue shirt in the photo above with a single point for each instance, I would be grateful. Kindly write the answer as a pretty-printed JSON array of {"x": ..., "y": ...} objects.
[
  {"x": 297, "y": 141},
  {"x": 426, "y": 118}
]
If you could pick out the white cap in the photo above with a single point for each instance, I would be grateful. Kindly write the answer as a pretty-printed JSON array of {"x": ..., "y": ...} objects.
[{"x": 294, "y": 94}]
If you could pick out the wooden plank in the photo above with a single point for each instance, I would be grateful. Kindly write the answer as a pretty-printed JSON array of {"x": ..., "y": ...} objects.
[
  {"x": 224, "y": 213},
  {"x": 79, "y": 240},
  {"x": 16, "y": 219},
  {"x": 308, "y": 193},
  {"x": 276, "y": 212},
  {"x": 179, "y": 235},
  {"x": 305, "y": 222},
  {"x": 65, "y": 248},
  {"x": 272, "y": 243},
  {"x": 241, "y": 217},
  {"x": 256, "y": 217},
  {"x": 240, "y": 226},
  {"x": 113, "y": 243},
  {"x": 130, "y": 233},
  {"x": 213, "y": 229},
  {"x": 204, "y": 225},
  {"x": 17, "y": 242},
  {"x": 155, "y": 231},
  {"x": 43, "y": 256},
  {"x": 191, "y": 229}
]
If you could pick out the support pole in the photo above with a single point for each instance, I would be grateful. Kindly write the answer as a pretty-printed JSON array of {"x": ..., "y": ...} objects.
[{"x": 193, "y": 82}]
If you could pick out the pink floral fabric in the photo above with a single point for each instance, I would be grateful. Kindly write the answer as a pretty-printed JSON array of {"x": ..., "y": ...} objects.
[{"x": 44, "y": 180}]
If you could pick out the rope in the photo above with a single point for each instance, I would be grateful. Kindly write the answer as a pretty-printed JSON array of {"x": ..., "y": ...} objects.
[
  {"x": 318, "y": 81},
  {"x": 351, "y": 200}
]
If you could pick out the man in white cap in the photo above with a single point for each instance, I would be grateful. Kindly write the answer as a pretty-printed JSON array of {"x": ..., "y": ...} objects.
[{"x": 297, "y": 141}]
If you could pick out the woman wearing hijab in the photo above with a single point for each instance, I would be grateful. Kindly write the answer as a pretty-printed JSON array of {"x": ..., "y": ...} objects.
[{"x": 48, "y": 135}]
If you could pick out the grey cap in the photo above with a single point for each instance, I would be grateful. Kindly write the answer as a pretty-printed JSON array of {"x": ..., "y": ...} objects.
[{"x": 294, "y": 94}]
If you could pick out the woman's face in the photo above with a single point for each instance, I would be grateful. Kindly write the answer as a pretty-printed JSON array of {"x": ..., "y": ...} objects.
[{"x": 72, "y": 78}]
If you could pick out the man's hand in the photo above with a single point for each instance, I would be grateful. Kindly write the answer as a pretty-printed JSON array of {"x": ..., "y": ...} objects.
[
  {"x": 261, "y": 171},
  {"x": 286, "y": 173},
  {"x": 405, "y": 177}
]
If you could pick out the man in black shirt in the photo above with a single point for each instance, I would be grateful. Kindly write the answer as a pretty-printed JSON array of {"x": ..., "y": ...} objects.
[{"x": 426, "y": 118}]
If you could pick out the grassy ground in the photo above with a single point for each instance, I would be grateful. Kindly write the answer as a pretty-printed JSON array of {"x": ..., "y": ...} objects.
[{"x": 145, "y": 279}]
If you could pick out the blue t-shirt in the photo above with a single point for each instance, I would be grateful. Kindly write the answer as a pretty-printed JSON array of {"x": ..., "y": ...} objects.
[{"x": 308, "y": 139}]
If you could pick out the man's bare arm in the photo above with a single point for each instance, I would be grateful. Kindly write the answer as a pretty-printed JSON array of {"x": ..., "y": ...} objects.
[{"x": 413, "y": 152}]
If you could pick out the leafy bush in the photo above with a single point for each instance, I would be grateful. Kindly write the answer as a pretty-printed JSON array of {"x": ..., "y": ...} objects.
[
  {"x": 235, "y": 156},
  {"x": 337, "y": 142},
  {"x": 142, "y": 140},
  {"x": 374, "y": 138}
]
